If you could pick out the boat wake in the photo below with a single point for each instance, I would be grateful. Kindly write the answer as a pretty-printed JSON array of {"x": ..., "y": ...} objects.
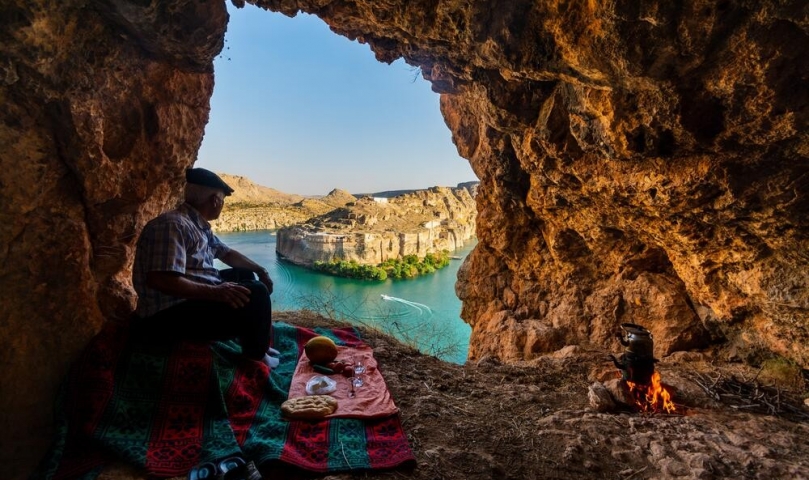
[{"x": 418, "y": 306}]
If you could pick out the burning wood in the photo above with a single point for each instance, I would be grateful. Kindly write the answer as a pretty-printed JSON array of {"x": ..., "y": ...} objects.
[
  {"x": 653, "y": 397},
  {"x": 638, "y": 375}
]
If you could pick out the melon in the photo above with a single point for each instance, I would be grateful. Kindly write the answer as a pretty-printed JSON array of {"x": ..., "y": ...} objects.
[{"x": 320, "y": 350}]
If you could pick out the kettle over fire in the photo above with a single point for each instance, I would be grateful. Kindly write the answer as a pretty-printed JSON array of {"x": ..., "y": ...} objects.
[{"x": 637, "y": 362}]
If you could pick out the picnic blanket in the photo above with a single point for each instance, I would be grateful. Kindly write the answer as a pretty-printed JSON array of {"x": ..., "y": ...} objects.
[
  {"x": 371, "y": 399},
  {"x": 167, "y": 408}
]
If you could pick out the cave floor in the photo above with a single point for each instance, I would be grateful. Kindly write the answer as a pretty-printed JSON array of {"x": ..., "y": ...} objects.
[{"x": 487, "y": 420}]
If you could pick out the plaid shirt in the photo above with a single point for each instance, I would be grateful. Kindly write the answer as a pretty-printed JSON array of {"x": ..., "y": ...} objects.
[{"x": 177, "y": 241}]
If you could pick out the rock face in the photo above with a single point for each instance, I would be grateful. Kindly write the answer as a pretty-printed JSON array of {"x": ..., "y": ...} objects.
[
  {"x": 373, "y": 230},
  {"x": 104, "y": 105},
  {"x": 639, "y": 161}
]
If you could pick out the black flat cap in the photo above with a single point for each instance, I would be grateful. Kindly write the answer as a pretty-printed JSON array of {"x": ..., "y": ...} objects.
[{"x": 200, "y": 176}]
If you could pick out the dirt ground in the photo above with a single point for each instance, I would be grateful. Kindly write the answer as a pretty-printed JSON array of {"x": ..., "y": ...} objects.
[{"x": 486, "y": 420}]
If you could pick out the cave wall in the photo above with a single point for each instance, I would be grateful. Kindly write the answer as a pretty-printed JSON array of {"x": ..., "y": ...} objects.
[
  {"x": 639, "y": 161},
  {"x": 104, "y": 106}
]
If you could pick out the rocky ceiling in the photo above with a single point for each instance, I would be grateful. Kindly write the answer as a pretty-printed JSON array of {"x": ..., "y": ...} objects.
[{"x": 640, "y": 161}]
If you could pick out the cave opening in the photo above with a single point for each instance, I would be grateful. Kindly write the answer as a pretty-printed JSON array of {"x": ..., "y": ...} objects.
[{"x": 303, "y": 110}]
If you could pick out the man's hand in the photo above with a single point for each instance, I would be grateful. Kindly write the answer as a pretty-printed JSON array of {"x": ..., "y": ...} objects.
[
  {"x": 231, "y": 293},
  {"x": 264, "y": 277},
  {"x": 171, "y": 283},
  {"x": 237, "y": 260}
]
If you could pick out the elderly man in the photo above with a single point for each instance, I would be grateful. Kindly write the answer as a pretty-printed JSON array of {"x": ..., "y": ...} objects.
[{"x": 180, "y": 293}]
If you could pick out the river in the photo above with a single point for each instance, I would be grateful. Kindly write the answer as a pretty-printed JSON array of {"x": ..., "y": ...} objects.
[{"x": 423, "y": 312}]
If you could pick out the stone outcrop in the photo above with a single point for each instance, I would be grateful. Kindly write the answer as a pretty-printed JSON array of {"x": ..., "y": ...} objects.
[
  {"x": 373, "y": 230},
  {"x": 643, "y": 161}
]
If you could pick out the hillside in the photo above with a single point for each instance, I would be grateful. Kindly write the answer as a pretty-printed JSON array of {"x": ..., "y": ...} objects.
[
  {"x": 255, "y": 207},
  {"x": 335, "y": 199},
  {"x": 246, "y": 192}
]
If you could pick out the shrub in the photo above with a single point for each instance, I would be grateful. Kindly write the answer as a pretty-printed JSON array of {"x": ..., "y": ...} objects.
[
  {"x": 351, "y": 269},
  {"x": 408, "y": 267}
]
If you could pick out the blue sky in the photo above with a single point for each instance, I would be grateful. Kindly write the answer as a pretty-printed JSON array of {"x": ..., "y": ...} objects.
[{"x": 303, "y": 110}]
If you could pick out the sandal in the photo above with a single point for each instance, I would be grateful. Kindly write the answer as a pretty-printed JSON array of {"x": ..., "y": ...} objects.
[
  {"x": 235, "y": 468},
  {"x": 204, "y": 471}
]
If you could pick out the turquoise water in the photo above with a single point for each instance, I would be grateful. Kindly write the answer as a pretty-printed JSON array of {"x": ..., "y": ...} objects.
[{"x": 423, "y": 312}]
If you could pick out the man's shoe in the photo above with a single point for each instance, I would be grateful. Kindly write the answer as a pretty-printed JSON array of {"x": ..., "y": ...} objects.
[
  {"x": 235, "y": 468},
  {"x": 204, "y": 471},
  {"x": 273, "y": 352}
]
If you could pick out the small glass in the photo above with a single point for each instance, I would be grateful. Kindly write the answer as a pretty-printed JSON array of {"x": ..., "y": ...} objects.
[{"x": 359, "y": 368}]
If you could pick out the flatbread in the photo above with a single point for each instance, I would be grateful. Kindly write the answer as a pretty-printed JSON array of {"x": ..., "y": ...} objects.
[{"x": 309, "y": 407}]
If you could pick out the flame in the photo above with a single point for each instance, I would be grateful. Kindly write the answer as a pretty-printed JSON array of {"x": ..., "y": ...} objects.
[{"x": 652, "y": 397}]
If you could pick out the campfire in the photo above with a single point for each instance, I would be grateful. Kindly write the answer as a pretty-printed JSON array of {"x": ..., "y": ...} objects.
[
  {"x": 640, "y": 386},
  {"x": 653, "y": 398}
]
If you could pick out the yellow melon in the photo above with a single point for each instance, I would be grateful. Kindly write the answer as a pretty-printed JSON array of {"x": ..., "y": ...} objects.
[{"x": 320, "y": 350}]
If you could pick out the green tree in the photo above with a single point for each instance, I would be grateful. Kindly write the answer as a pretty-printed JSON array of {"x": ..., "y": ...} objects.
[{"x": 410, "y": 266}]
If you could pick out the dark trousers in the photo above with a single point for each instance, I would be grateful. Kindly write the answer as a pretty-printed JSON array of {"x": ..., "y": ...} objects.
[{"x": 207, "y": 320}]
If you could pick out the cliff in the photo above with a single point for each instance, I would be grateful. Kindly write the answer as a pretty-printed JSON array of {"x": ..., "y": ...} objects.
[
  {"x": 375, "y": 229},
  {"x": 642, "y": 161}
]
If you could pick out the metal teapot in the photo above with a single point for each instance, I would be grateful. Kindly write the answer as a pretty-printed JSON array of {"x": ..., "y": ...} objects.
[
  {"x": 637, "y": 362},
  {"x": 637, "y": 340}
]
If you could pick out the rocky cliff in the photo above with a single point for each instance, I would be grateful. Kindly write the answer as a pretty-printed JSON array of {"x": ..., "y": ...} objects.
[
  {"x": 373, "y": 230},
  {"x": 643, "y": 161}
]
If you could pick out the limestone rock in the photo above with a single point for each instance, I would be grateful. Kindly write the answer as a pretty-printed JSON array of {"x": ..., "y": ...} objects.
[
  {"x": 620, "y": 392},
  {"x": 373, "y": 230},
  {"x": 600, "y": 398}
]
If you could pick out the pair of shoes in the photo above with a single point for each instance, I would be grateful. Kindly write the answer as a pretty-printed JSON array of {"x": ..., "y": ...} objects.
[
  {"x": 204, "y": 471},
  {"x": 235, "y": 468}
]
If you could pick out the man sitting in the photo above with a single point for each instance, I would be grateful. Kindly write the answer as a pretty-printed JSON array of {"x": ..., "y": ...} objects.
[{"x": 180, "y": 293}]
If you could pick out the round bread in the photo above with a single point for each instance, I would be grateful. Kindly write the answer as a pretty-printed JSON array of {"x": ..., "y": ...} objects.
[
  {"x": 310, "y": 407},
  {"x": 320, "y": 350}
]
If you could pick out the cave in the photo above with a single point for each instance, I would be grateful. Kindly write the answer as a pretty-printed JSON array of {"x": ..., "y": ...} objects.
[{"x": 643, "y": 162}]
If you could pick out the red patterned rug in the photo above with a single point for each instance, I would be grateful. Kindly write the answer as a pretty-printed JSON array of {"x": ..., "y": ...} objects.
[{"x": 168, "y": 408}]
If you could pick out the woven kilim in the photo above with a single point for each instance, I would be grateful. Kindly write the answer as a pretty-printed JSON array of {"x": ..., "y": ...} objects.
[{"x": 167, "y": 408}]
